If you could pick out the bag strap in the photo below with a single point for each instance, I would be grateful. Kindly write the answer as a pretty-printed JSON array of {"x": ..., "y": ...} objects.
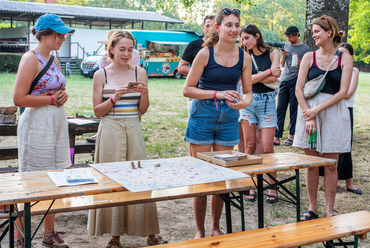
[
  {"x": 255, "y": 64},
  {"x": 336, "y": 56},
  {"x": 42, "y": 73},
  {"x": 136, "y": 73}
]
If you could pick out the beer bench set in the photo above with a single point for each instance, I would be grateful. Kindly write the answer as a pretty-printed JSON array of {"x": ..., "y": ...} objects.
[{"x": 11, "y": 152}]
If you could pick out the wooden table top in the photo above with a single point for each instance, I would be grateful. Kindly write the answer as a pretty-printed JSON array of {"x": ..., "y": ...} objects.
[
  {"x": 36, "y": 186},
  {"x": 275, "y": 162}
]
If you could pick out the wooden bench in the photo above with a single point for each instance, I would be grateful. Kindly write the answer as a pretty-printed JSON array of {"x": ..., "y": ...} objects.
[{"x": 290, "y": 235}]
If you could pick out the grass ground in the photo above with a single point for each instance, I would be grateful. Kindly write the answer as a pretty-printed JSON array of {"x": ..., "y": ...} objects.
[{"x": 164, "y": 126}]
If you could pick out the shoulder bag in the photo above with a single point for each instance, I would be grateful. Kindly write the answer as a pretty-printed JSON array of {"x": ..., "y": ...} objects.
[
  {"x": 275, "y": 85},
  {"x": 37, "y": 78},
  {"x": 315, "y": 85}
]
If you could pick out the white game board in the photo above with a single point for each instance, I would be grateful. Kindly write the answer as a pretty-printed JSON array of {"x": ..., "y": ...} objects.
[{"x": 173, "y": 172}]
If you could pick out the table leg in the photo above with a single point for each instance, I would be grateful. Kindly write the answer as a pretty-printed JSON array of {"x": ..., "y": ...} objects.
[
  {"x": 72, "y": 145},
  {"x": 11, "y": 226},
  {"x": 27, "y": 225},
  {"x": 260, "y": 200},
  {"x": 298, "y": 195},
  {"x": 242, "y": 210},
  {"x": 228, "y": 213}
]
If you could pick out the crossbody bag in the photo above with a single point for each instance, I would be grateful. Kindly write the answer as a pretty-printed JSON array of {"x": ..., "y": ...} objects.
[
  {"x": 37, "y": 79},
  {"x": 275, "y": 85},
  {"x": 315, "y": 85}
]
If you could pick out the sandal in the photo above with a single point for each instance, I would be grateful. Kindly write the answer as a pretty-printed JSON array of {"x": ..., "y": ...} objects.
[
  {"x": 158, "y": 240},
  {"x": 274, "y": 198},
  {"x": 253, "y": 199},
  {"x": 288, "y": 142},
  {"x": 311, "y": 215},
  {"x": 92, "y": 139},
  {"x": 113, "y": 244}
]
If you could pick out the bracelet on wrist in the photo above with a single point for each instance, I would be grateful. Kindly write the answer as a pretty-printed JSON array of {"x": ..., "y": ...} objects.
[{"x": 270, "y": 71}]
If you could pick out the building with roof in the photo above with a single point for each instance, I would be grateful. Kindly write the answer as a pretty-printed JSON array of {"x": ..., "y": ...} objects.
[{"x": 84, "y": 40}]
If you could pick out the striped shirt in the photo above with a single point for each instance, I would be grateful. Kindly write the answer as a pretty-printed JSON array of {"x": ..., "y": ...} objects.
[{"x": 126, "y": 106}]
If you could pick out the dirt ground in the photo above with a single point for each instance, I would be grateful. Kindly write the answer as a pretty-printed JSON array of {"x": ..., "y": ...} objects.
[{"x": 177, "y": 220}]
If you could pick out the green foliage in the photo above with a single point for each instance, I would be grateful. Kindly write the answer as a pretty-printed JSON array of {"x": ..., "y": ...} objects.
[
  {"x": 358, "y": 31},
  {"x": 9, "y": 62}
]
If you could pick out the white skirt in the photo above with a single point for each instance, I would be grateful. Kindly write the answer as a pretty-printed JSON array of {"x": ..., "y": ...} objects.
[
  {"x": 333, "y": 127},
  {"x": 43, "y": 141}
]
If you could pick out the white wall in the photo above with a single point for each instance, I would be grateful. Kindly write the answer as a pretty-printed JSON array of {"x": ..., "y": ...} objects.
[{"x": 87, "y": 38}]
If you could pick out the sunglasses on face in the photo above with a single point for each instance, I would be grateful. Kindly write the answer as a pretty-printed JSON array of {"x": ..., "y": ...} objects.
[
  {"x": 228, "y": 11},
  {"x": 325, "y": 17},
  {"x": 62, "y": 36}
]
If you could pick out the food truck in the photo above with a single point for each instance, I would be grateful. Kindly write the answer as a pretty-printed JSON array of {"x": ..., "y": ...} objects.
[{"x": 160, "y": 52}]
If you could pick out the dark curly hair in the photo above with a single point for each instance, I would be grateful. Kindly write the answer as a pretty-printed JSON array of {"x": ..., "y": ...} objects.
[{"x": 41, "y": 33}]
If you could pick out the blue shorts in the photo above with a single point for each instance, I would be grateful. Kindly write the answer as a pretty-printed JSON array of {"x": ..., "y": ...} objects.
[
  {"x": 262, "y": 110},
  {"x": 207, "y": 125}
]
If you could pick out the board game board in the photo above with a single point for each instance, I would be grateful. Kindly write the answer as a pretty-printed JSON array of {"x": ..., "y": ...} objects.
[{"x": 172, "y": 172}]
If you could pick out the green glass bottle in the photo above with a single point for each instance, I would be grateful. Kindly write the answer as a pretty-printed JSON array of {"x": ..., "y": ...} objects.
[{"x": 312, "y": 140}]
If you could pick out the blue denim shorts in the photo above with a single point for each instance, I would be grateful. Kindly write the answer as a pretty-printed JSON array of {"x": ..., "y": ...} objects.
[
  {"x": 262, "y": 110},
  {"x": 207, "y": 125}
]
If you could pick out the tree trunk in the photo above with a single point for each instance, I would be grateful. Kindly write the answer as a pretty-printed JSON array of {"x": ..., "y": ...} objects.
[{"x": 338, "y": 9}]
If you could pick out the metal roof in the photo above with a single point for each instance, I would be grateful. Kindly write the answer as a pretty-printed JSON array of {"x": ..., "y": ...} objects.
[{"x": 79, "y": 15}]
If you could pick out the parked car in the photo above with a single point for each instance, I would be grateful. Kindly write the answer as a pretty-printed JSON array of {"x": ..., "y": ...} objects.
[{"x": 91, "y": 64}]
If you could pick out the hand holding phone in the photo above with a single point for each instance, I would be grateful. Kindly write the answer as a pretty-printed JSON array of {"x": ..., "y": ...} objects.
[{"x": 131, "y": 85}]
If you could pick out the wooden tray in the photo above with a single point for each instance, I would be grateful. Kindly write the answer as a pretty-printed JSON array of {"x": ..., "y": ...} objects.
[{"x": 208, "y": 156}]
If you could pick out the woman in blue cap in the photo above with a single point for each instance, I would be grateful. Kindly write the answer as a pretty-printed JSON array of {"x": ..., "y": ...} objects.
[{"x": 43, "y": 142}]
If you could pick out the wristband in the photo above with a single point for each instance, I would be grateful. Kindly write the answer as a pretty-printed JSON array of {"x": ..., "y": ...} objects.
[
  {"x": 111, "y": 100},
  {"x": 52, "y": 97},
  {"x": 270, "y": 71},
  {"x": 215, "y": 97}
]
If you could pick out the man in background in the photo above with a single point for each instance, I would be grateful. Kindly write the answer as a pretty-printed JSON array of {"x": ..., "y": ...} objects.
[
  {"x": 293, "y": 47},
  {"x": 194, "y": 47}
]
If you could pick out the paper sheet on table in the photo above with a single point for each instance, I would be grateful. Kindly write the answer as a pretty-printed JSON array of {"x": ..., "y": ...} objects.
[
  {"x": 60, "y": 179},
  {"x": 81, "y": 121},
  {"x": 172, "y": 172}
]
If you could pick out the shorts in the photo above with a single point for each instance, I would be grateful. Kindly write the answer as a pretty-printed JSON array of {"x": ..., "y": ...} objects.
[
  {"x": 207, "y": 125},
  {"x": 262, "y": 110}
]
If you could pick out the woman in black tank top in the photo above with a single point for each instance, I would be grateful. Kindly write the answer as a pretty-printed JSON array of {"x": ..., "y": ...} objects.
[
  {"x": 259, "y": 120},
  {"x": 326, "y": 112},
  {"x": 213, "y": 121}
]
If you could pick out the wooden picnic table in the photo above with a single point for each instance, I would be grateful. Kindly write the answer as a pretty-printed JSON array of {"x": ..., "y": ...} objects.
[
  {"x": 276, "y": 162},
  {"x": 29, "y": 187}
]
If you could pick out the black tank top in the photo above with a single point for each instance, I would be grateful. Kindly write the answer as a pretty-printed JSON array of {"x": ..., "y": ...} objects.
[
  {"x": 218, "y": 77},
  {"x": 333, "y": 77},
  {"x": 263, "y": 62}
]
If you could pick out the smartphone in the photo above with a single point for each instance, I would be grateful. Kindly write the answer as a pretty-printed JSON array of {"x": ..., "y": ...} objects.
[
  {"x": 282, "y": 50},
  {"x": 131, "y": 85}
]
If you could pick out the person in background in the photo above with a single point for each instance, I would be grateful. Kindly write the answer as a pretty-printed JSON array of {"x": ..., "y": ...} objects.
[
  {"x": 260, "y": 116},
  {"x": 345, "y": 165},
  {"x": 211, "y": 83},
  {"x": 120, "y": 138},
  {"x": 325, "y": 112},
  {"x": 43, "y": 142},
  {"x": 104, "y": 62},
  {"x": 286, "y": 96},
  {"x": 194, "y": 47}
]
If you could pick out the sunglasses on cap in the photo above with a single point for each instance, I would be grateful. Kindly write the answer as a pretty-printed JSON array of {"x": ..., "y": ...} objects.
[{"x": 228, "y": 11}]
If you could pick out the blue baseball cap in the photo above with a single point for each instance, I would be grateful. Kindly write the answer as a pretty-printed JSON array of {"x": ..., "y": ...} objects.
[{"x": 53, "y": 22}]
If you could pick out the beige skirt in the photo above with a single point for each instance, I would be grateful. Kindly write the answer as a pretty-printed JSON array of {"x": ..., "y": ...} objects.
[
  {"x": 121, "y": 139},
  {"x": 43, "y": 141},
  {"x": 333, "y": 127}
]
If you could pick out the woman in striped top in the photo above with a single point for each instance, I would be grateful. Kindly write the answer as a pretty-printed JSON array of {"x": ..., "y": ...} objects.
[{"x": 120, "y": 138}]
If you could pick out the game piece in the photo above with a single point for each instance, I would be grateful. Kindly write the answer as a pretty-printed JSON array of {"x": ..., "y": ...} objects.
[
  {"x": 133, "y": 165},
  {"x": 157, "y": 164},
  {"x": 139, "y": 164}
]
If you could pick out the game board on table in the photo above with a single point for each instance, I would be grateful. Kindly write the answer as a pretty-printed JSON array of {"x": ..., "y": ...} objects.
[{"x": 172, "y": 172}]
